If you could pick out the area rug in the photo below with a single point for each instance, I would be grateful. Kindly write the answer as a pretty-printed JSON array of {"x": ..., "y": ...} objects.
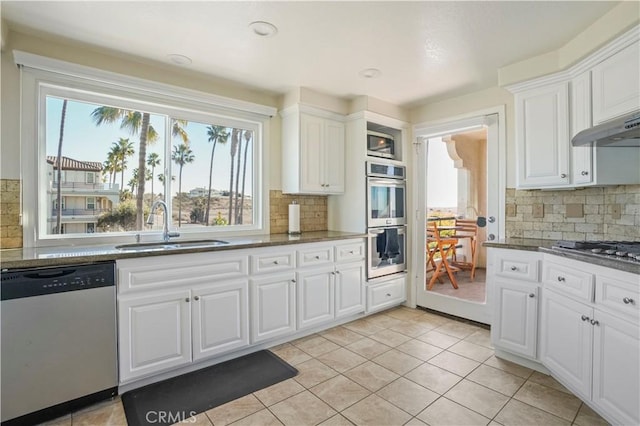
[{"x": 179, "y": 398}]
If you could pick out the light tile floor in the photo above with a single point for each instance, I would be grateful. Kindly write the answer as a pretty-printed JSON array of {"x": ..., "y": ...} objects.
[{"x": 399, "y": 367}]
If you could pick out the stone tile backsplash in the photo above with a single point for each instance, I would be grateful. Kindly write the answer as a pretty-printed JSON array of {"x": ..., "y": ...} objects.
[
  {"x": 595, "y": 208},
  {"x": 313, "y": 211},
  {"x": 10, "y": 228}
]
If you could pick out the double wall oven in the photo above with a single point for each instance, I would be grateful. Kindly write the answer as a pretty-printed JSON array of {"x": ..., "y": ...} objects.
[{"x": 386, "y": 219}]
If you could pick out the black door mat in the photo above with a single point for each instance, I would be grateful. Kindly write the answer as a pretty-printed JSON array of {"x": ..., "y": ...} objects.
[{"x": 177, "y": 399}]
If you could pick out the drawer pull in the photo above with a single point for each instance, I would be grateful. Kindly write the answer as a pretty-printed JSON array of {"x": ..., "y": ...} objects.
[
  {"x": 561, "y": 279},
  {"x": 585, "y": 318},
  {"x": 318, "y": 257},
  {"x": 293, "y": 281},
  {"x": 196, "y": 298},
  {"x": 628, "y": 301},
  {"x": 532, "y": 295},
  {"x": 337, "y": 272},
  {"x": 595, "y": 322},
  {"x": 350, "y": 251},
  {"x": 275, "y": 262},
  {"x": 584, "y": 173},
  {"x": 513, "y": 268},
  {"x": 388, "y": 294},
  {"x": 186, "y": 300}
]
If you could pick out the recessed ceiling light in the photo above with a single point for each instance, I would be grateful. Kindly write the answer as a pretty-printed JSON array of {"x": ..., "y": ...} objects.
[
  {"x": 263, "y": 28},
  {"x": 179, "y": 59},
  {"x": 370, "y": 73}
]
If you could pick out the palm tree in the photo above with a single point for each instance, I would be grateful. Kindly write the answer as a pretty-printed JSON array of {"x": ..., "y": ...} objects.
[
  {"x": 122, "y": 149},
  {"x": 153, "y": 161},
  {"x": 137, "y": 123},
  {"x": 63, "y": 116},
  {"x": 109, "y": 166},
  {"x": 216, "y": 134},
  {"x": 181, "y": 155},
  {"x": 235, "y": 139},
  {"x": 248, "y": 135}
]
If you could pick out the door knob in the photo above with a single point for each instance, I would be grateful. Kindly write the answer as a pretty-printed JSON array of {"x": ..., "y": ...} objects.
[{"x": 491, "y": 219}]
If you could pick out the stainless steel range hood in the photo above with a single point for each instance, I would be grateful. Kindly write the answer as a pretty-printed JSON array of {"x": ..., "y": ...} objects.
[{"x": 620, "y": 132}]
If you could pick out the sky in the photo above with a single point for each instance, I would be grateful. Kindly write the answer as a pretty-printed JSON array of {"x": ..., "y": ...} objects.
[
  {"x": 442, "y": 177},
  {"x": 85, "y": 141}
]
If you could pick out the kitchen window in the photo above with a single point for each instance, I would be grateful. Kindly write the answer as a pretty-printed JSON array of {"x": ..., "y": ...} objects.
[{"x": 121, "y": 150}]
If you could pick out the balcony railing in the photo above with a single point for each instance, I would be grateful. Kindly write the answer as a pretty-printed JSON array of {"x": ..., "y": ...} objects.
[
  {"x": 80, "y": 212},
  {"x": 86, "y": 186}
]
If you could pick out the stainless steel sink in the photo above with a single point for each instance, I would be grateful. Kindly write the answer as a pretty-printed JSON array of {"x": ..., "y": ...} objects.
[{"x": 171, "y": 245}]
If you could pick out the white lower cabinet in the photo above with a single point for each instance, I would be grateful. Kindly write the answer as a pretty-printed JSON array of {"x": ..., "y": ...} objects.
[
  {"x": 273, "y": 305},
  {"x": 590, "y": 336},
  {"x": 155, "y": 333},
  {"x": 566, "y": 339},
  {"x": 515, "y": 327},
  {"x": 316, "y": 289},
  {"x": 350, "y": 296},
  {"x": 220, "y": 318},
  {"x": 382, "y": 295}
]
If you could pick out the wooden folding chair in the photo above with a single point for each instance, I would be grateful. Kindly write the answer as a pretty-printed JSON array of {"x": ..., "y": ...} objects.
[
  {"x": 467, "y": 229},
  {"x": 445, "y": 247}
]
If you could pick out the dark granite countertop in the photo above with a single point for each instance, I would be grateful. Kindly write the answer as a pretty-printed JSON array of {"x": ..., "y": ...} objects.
[
  {"x": 70, "y": 254},
  {"x": 545, "y": 246}
]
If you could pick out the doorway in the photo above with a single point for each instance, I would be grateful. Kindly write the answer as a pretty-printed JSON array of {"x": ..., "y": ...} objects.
[{"x": 460, "y": 172}]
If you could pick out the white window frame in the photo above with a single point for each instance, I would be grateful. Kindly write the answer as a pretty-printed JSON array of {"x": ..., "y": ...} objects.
[
  {"x": 86, "y": 203},
  {"x": 90, "y": 178},
  {"x": 42, "y": 76}
]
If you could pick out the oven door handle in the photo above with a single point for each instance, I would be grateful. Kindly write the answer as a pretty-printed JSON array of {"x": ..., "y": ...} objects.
[
  {"x": 391, "y": 182},
  {"x": 376, "y": 231}
]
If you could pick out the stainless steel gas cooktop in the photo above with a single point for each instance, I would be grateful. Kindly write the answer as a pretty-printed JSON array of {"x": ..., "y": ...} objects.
[{"x": 623, "y": 251}]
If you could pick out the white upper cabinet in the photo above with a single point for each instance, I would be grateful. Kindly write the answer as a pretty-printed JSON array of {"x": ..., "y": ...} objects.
[
  {"x": 312, "y": 151},
  {"x": 616, "y": 85},
  {"x": 550, "y": 110},
  {"x": 542, "y": 136}
]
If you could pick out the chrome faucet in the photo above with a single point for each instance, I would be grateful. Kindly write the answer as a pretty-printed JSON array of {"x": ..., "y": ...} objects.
[{"x": 166, "y": 234}]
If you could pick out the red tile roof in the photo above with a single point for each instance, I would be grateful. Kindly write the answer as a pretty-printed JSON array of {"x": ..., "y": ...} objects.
[{"x": 71, "y": 164}]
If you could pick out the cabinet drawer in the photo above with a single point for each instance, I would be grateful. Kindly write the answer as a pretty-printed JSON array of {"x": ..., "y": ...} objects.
[
  {"x": 272, "y": 262},
  {"x": 572, "y": 282},
  {"x": 619, "y": 295},
  {"x": 350, "y": 251},
  {"x": 520, "y": 265},
  {"x": 315, "y": 256},
  {"x": 386, "y": 294}
]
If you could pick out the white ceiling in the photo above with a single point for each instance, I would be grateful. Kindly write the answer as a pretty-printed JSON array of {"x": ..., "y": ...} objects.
[{"x": 425, "y": 50}]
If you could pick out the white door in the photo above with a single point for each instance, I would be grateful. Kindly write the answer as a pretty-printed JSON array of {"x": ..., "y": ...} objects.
[
  {"x": 220, "y": 318},
  {"x": 272, "y": 306},
  {"x": 566, "y": 338},
  {"x": 494, "y": 121},
  {"x": 616, "y": 368},
  {"x": 155, "y": 333},
  {"x": 311, "y": 152},
  {"x": 516, "y": 305},
  {"x": 333, "y": 156},
  {"x": 350, "y": 289},
  {"x": 315, "y": 296}
]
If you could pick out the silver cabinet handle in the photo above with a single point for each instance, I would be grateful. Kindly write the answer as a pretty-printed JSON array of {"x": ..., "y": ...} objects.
[
  {"x": 513, "y": 268},
  {"x": 628, "y": 301},
  {"x": 196, "y": 298},
  {"x": 388, "y": 294},
  {"x": 561, "y": 279},
  {"x": 563, "y": 175},
  {"x": 585, "y": 318},
  {"x": 532, "y": 295},
  {"x": 275, "y": 262},
  {"x": 333, "y": 273},
  {"x": 491, "y": 219},
  {"x": 318, "y": 257},
  {"x": 337, "y": 272},
  {"x": 594, "y": 322},
  {"x": 350, "y": 251},
  {"x": 293, "y": 281},
  {"x": 187, "y": 300},
  {"x": 584, "y": 173}
]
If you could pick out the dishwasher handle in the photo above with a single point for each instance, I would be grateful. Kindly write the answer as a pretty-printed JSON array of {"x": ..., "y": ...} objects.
[{"x": 50, "y": 274}]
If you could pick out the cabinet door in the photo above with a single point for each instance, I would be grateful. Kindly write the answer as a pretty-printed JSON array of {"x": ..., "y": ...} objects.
[
  {"x": 311, "y": 153},
  {"x": 272, "y": 306},
  {"x": 581, "y": 156},
  {"x": 515, "y": 325},
  {"x": 616, "y": 86},
  {"x": 315, "y": 296},
  {"x": 566, "y": 341},
  {"x": 616, "y": 368},
  {"x": 220, "y": 318},
  {"x": 155, "y": 333},
  {"x": 334, "y": 157},
  {"x": 350, "y": 297},
  {"x": 542, "y": 136}
]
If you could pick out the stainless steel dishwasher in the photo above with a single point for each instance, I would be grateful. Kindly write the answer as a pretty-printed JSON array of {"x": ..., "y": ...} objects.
[{"x": 59, "y": 350}]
